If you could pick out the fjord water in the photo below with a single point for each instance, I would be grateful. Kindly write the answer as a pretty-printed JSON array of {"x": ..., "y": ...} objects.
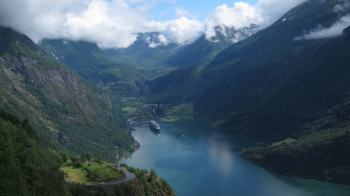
[{"x": 196, "y": 160}]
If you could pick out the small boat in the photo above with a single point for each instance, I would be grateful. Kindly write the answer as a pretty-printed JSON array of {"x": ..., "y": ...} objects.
[{"x": 154, "y": 126}]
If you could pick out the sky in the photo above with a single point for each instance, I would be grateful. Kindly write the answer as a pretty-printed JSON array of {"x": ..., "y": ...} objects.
[
  {"x": 199, "y": 8},
  {"x": 117, "y": 23}
]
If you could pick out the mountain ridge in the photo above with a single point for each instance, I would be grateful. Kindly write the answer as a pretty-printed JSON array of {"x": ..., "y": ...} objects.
[{"x": 271, "y": 86}]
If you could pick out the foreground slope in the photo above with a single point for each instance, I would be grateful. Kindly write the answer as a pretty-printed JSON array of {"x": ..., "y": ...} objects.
[
  {"x": 26, "y": 165},
  {"x": 29, "y": 168},
  {"x": 67, "y": 113}
]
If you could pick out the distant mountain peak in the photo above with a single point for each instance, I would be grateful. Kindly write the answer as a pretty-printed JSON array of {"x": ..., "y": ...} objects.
[
  {"x": 153, "y": 39},
  {"x": 230, "y": 34}
]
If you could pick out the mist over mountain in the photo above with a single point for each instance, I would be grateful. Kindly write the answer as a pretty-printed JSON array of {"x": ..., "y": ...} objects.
[
  {"x": 275, "y": 85},
  {"x": 80, "y": 78}
]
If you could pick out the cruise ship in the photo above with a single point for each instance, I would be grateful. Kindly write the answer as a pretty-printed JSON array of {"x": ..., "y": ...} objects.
[{"x": 154, "y": 126}]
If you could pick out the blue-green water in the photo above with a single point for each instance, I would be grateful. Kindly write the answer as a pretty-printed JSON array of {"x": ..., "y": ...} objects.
[{"x": 196, "y": 160}]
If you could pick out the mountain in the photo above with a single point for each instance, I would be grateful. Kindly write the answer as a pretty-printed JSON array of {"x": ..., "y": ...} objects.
[
  {"x": 148, "y": 51},
  {"x": 124, "y": 70},
  {"x": 157, "y": 50},
  {"x": 273, "y": 81},
  {"x": 151, "y": 51},
  {"x": 67, "y": 113},
  {"x": 100, "y": 66},
  {"x": 204, "y": 50},
  {"x": 288, "y": 91}
]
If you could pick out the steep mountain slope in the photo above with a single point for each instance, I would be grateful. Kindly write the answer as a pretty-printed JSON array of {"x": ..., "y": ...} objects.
[
  {"x": 173, "y": 88},
  {"x": 289, "y": 92},
  {"x": 67, "y": 113},
  {"x": 191, "y": 59},
  {"x": 204, "y": 50},
  {"x": 271, "y": 83}
]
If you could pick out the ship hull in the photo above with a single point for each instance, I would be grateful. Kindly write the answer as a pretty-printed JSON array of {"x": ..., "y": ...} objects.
[{"x": 154, "y": 130}]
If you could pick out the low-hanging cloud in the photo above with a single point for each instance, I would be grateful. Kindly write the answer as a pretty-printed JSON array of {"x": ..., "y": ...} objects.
[
  {"x": 239, "y": 16},
  {"x": 116, "y": 24},
  {"x": 242, "y": 14},
  {"x": 334, "y": 30},
  {"x": 181, "y": 30}
]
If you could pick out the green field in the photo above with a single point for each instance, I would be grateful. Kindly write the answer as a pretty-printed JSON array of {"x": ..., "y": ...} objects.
[
  {"x": 179, "y": 112},
  {"x": 91, "y": 172}
]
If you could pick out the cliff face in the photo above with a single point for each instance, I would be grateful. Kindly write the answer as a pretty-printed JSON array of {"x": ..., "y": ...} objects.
[{"x": 67, "y": 113}]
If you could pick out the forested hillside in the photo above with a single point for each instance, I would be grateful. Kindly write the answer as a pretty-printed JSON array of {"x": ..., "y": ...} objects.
[
  {"x": 66, "y": 112},
  {"x": 282, "y": 87}
]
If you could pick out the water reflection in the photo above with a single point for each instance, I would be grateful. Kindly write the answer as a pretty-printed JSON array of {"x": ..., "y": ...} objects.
[
  {"x": 196, "y": 161},
  {"x": 220, "y": 155}
]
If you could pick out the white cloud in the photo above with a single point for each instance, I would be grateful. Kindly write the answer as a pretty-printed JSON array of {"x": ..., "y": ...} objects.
[
  {"x": 274, "y": 9},
  {"x": 333, "y": 31},
  {"x": 101, "y": 23},
  {"x": 239, "y": 16},
  {"x": 155, "y": 41},
  {"x": 181, "y": 30},
  {"x": 242, "y": 14},
  {"x": 180, "y": 12},
  {"x": 108, "y": 23},
  {"x": 116, "y": 23},
  {"x": 344, "y": 5}
]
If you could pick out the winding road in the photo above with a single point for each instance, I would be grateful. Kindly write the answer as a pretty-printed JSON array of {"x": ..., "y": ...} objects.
[{"x": 128, "y": 177}]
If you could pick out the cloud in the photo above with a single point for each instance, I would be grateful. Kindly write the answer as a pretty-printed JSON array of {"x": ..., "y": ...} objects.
[
  {"x": 274, "y": 9},
  {"x": 108, "y": 24},
  {"x": 160, "y": 40},
  {"x": 103, "y": 22},
  {"x": 333, "y": 31},
  {"x": 117, "y": 23},
  {"x": 181, "y": 30},
  {"x": 243, "y": 15},
  {"x": 237, "y": 17},
  {"x": 343, "y": 6},
  {"x": 180, "y": 12}
]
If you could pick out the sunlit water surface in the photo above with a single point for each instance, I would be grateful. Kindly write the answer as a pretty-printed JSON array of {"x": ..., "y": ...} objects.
[{"x": 196, "y": 160}]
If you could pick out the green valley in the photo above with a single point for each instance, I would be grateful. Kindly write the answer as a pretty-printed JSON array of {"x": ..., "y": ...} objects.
[{"x": 98, "y": 98}]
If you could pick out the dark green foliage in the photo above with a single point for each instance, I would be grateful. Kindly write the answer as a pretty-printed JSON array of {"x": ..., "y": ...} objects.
[
  {"x": 26, "y": 166},
  {"x": 321, "y": 156},
  {"x": 173, "y": 88},
  {"x": 145, "y": 184},
  {"x": 153, "y": 185},
  {"x": 320, "y": 150}
]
